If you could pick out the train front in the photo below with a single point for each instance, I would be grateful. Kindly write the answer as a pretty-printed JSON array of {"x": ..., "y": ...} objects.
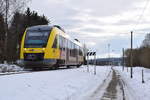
[{"x": 33, "y": 47}]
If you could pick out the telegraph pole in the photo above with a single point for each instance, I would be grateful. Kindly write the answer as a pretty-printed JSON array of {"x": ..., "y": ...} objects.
[
  {"x": 94, "y": 63},
  {"x": 108, "y": 54},
  {"x": 87, "y": 62},
  {"x": 6, "y": 29},
  {"x": 131, "y": 55},
  {"x": 123, "y": 62}
]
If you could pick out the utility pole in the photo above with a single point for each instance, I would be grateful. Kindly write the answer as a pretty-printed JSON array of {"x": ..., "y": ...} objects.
[
  {"x": 108, "y": 54},
  {"x": 131, "y": 55},
  {"x": 123, "y": 60},
  {"x": 94, "y": 63},
  {"x": 143, "y": 77},
  {"x": 6, "y": 27},
  {"x": 87, "y": 62},
  {"x": 65, "y": 52}
]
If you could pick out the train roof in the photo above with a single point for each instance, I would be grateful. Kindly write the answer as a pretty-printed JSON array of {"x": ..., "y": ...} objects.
[
  {"x": 49, "y": 27},
  {"x": 44, "y": 27},
  {"x": 78, "y": 43},
  {"x": 40, "y": 27}
]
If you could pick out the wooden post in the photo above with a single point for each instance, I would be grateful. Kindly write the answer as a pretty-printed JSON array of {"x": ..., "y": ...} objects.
[
  {"x": 6, "y": 30},
  {"x": 123, "y": 62},
  {"x": 109, "y": 54},
  {"x": 142, "y": 76},
  {"x": 95, "y": 64},
  {"x": 87, "y": 62},
  {"x": 131, "y": 55}
]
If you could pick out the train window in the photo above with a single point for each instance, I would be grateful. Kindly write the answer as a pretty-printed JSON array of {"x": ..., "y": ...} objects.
[
  {"x": 55, "y": 42},
  {"x": 80, "y": 52},
  {"x": 77, "y": 50},
  {"x": 64, "y": 43},
  {"x": 69, "y": 43},
  {"x": 36, "y": 38},
  {"x": 74, "y": 50},
  {"x": 71, "y": 49},
  {"x": 60, "y": 42}
]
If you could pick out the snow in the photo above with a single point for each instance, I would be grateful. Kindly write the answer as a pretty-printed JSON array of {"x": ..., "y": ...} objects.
[
  {"x": 72, "y": 84},
  {"x": 9, "y": 68},
  {"x": 135, "y": 87},
  {"x": 63, "y": 84}
]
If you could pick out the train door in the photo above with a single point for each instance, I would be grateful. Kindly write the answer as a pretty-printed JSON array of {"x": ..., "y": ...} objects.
[
  {"x": 67, "y": 51},
  {"x": 55, "y": 48},
  {"x": 62, "y": 49},
  {"x": 76, "y": 53}
]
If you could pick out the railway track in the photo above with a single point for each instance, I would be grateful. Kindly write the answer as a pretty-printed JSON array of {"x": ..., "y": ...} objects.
[
  {"x": 31, "y": 71},
  {"x": 12, "y": 73}
]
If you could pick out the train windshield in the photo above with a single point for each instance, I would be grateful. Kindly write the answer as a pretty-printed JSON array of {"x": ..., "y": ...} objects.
[{"x": 36, "y": 39}]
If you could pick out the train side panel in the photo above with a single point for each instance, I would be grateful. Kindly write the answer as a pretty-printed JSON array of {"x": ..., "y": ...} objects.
[
  {"x": 59, "y": 50},
  {"x": 50, "y": 51}
]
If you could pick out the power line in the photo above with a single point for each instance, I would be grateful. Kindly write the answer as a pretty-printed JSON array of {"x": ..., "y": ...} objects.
[{"x": 142, "y": 13}]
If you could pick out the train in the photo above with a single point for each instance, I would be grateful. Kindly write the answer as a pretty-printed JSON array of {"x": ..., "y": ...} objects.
[{"x": 49, "y": 46}]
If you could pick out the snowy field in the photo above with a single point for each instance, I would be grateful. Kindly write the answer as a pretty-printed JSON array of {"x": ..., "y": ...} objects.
[
  {"x": 9, "y": 68},
  {"x": 135, "y": 87},
  {"x": 73, "y": 84},
  {"x": 63, "y": 84}
]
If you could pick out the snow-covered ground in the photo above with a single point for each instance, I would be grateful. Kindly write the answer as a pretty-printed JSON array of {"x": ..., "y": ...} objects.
[
  {"x": 63, "y": 84},
  {"x": 9, "y": 68},
  {"x": 137, "y": 89},
  {"x": 73, "y": 84}
]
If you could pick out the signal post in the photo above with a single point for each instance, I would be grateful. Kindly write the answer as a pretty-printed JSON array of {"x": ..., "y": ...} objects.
[{"x": 94, "y": 61}]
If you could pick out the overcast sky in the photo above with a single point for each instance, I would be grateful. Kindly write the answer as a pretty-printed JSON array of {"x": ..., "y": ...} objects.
[{"x": 98, "y": 23}]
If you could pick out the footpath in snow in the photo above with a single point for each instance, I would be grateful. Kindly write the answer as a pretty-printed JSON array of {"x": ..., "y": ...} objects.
[
  {"x": 134, "y": 87},
  {"x": 63, "y": 84},
  {"x": 112, "y": 88},
  {"x": 119, "y": 86}
]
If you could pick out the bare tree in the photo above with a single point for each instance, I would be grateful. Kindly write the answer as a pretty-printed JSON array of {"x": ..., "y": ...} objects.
[
  {"x": 2, "y": 36},
  {"x": 1, "y": 6},
  {"x": 146, "y": 41},
  {"x": 8, "y": 8}
]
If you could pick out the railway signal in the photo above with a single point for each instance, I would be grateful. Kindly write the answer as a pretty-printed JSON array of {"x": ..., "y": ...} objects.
[{"x": 91, "y": 54}]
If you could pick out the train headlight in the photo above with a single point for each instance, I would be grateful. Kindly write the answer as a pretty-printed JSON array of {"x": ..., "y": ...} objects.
[
  {"x": 25, "y": 49},
  {"x": 43, "y": 49}
]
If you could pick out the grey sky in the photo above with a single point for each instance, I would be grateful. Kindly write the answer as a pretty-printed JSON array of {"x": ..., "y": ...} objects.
[{"x": 98, "y": 23}]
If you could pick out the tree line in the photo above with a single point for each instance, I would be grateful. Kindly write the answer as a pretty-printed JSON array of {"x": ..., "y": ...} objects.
[
  {"x": 141, "y": 56},
  {"x": 13, "y": 22}
]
